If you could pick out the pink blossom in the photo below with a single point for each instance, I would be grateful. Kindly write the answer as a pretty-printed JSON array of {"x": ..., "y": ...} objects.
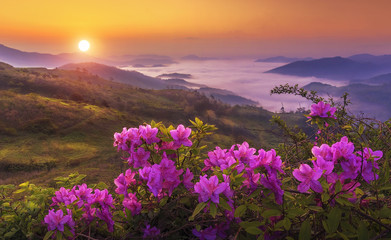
[
  {"x": 187, "y": 177},
  {"x": 181, "y": 136},
  {"x": 131, "y": 202},
  {"x": 273, "y": 183},
  {"x": 308, "y": 178},
  {"x": 209, "y": 188},
  {"x": 351, "y": 167},
  {"x": 139, "y": 158},
  {"x": 57, "y": 220},
  {"x": 244, "y": 154},
  {"x": 149, "y": 134},
  {"x": 105, "y": 215},
  {"x": 324, "y": 151},
  {"x": 322, "y": 110},
  {"x": 65, "y": 196},
  {"x": 342, "y": 149},
  {"x": 324, "y": 165}
]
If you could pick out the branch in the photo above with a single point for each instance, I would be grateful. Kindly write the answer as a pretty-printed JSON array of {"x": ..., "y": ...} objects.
[{"x": 371, "y": 218}]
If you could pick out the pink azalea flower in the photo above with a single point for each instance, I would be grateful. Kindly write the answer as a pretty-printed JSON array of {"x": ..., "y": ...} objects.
[
  {"x": 209, "y": 189},
  {"x": 103, "y": 198},
  {"x": 65, "y": 196},
  {"x": 273, "y": 183},
  {"x": 139, "y": 158},
  {"x": 322, "y": 110},
  {"x": 181, "y": 136},
  {"x": 57, "y": 220},
  {"x": 342, "y": 149},
  {"x": 351, "y": 167},
  {"x": 120, "y": 140},
  {"x": 308, "y": 178},
  {"x": 324, "y": 165},
  {"x": 324, "y": 151},
  {"x": 131, "y": 202},
  {"x": 105, "y": 215},
  {"x": 187, "y": 177},
  {"x": 244, "y": 154},
  {"x": 149, "y": 134}
]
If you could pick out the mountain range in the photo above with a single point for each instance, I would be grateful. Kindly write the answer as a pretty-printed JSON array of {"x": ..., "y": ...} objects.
[
  {"x": 282, "y": 59},
  {"x": 19, "y": 58},
  {"x": 360, "y": 66}
]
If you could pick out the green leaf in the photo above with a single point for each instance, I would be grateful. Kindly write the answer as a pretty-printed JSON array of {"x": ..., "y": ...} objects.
[
  {"x": 315, "y": 208},
  {"x": 333, "y": 219},
  {"x": 256, "y": 193},
  {"x": 325, "y": 197},
  {"x": 338, "y": 187},
  {"x": 305, "y": 230},
  {"x": 343, "y": 202},
  {"x": 246, "y": 224},
  {"x": 224, "y": 204},
  {"x": 271, "y": 212},
  {"x": 253, "y": 230},
  {"x": 59, "y": 236},
  {"x": 362, "y": 231},
  {"x": 287, "y": 223},
  {"x": 163, "y": 201},
  {"x": 25, "y": 184},
  {"x": 20, "y": 190},
  {"x": 239, "y": 211},
  {"x": 213, "y": 210},
  {"x": 343, "y": 236},
  {"x": 361, "y": 129},
  {"x": 325, "y": 226},
  {"x": 294, "y": 212},
  {"x": 385, "y": 212},
  {"x": 101, "y": 186},
  {"x": 197, "y": 210},
  {"x": 254, "y": 207},
  {"x": 67, "y": 232},
  {"x": 10, "y": 234}
]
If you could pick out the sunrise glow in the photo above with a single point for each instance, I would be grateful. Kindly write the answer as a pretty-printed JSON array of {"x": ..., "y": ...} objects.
[{"x": 84, "y": 45}]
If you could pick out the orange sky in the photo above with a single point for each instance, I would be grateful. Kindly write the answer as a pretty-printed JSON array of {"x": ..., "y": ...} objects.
[{"x": 204, "y": 27}]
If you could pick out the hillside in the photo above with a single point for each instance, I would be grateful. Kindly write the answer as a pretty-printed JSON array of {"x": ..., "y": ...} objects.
[
  {"x": 137, "y": 79},
  {"x": 53, "y": 122},
  {"x": 333, "y": 68}
]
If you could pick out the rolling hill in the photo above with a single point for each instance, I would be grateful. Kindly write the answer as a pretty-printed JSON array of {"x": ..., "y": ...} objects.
[{"x": 57, "y": 121}]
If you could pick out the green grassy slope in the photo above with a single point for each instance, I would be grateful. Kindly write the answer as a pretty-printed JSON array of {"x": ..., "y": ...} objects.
[{"x": 53, "y": 122}]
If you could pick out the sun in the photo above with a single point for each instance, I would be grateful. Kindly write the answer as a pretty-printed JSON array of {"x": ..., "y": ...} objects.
[{"x": 84, "y": 45}]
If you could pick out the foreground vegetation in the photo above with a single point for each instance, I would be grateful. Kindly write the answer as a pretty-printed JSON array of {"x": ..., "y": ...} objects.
[{"x": 334, "y": 186}]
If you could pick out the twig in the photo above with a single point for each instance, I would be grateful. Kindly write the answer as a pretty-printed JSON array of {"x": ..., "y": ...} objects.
[{"x": 371, "y": 218}]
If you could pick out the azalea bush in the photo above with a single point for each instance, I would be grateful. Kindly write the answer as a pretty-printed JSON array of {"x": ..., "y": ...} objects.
[{"x": 173, "y": 188}]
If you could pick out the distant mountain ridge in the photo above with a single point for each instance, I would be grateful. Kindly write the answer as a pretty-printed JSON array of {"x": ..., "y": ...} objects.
[
  {"x": 19, "y": 58},
  {"x": 338, "y": 68},
  {"x": 282, "y": 59}
]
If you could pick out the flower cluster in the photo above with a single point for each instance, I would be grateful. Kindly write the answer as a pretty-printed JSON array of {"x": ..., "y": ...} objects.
[
  {"x": 95, "y": 205},
  {"x": 263, "y": 168},
  {"x": 338, "y": 162},
  {"x": 322, "y": 110}
]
